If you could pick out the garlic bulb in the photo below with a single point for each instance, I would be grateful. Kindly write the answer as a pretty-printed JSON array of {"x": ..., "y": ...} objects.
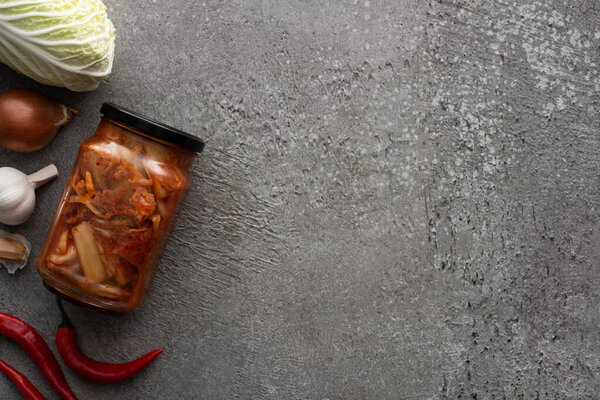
[
  {"x": 17, "y": 192},
  {"x": 14, "y": 251}
]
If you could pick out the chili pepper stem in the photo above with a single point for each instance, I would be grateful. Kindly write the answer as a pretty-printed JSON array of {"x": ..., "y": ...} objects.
[{"x": 66, "y": 321}]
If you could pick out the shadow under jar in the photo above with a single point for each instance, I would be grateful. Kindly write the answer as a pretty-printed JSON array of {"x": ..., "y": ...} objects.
[{"x": 117, "y": 211}]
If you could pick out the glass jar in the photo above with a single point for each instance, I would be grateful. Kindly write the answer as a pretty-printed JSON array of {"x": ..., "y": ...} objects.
[{"x": 117, "y": 211}]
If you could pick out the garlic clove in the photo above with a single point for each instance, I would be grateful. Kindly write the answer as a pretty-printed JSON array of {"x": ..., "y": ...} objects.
[
  {"x": 14, "y": 251},
  {"x": 17, "y": 193},
  {"x": 11, "y": 249}
]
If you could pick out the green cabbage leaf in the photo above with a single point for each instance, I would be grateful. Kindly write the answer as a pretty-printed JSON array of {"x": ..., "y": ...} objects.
[{"x": 66, "y": 43}]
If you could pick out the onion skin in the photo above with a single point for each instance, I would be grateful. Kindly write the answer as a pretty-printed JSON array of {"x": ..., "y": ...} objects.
[{"x": 29, "y": 120}]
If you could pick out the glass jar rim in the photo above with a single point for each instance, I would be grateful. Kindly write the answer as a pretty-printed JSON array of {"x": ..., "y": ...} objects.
[{"x": 151, "y": 127}]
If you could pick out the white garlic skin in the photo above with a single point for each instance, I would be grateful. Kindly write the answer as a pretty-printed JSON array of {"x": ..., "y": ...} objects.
[{"x": 17, "y": 196}]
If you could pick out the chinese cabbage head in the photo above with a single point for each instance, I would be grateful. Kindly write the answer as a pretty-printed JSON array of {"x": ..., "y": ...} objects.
[{"x": 66, "y": 43}]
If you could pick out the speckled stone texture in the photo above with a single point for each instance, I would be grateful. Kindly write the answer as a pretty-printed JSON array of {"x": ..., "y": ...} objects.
[{"x": 398, "y": 200}]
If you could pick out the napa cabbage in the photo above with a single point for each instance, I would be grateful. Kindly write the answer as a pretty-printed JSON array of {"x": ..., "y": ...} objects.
[{"x": 66, "y": 43}]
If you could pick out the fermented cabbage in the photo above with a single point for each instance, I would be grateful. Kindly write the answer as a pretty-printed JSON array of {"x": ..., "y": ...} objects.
[{"x": 66, "y": 43}]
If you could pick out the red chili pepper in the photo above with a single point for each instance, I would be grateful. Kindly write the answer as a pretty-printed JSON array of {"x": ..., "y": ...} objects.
[
  {"x": 29, "y": 391},
  {"x": 96, "y": 371},
  {"x": 32, "y": 342}
]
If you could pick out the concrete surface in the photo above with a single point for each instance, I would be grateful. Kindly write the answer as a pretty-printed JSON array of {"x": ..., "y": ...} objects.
[{"x": 398, "y": 200}]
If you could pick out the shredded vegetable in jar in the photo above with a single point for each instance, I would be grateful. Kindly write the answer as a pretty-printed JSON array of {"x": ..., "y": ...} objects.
[{"x": 117, "y": 211}]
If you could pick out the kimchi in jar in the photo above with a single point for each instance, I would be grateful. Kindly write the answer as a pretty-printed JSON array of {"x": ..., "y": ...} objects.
[{"x": 117, "y": 210}]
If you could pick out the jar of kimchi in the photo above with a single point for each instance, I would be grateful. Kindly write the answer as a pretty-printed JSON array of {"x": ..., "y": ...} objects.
[{"x": 117, "y": 211}]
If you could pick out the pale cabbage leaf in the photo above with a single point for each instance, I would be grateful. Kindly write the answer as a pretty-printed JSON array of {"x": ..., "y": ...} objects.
[{"x": 66, "y": 43}]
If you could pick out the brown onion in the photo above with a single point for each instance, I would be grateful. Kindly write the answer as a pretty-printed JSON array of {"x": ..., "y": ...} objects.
[{"x": 29, "y": 120}]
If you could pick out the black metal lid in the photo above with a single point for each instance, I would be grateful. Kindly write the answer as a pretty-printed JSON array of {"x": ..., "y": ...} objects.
[{"x": 152, "y": 127}]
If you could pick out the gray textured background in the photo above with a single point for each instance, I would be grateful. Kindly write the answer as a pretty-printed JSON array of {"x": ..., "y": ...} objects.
[{"x": 397, "y": 201}]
